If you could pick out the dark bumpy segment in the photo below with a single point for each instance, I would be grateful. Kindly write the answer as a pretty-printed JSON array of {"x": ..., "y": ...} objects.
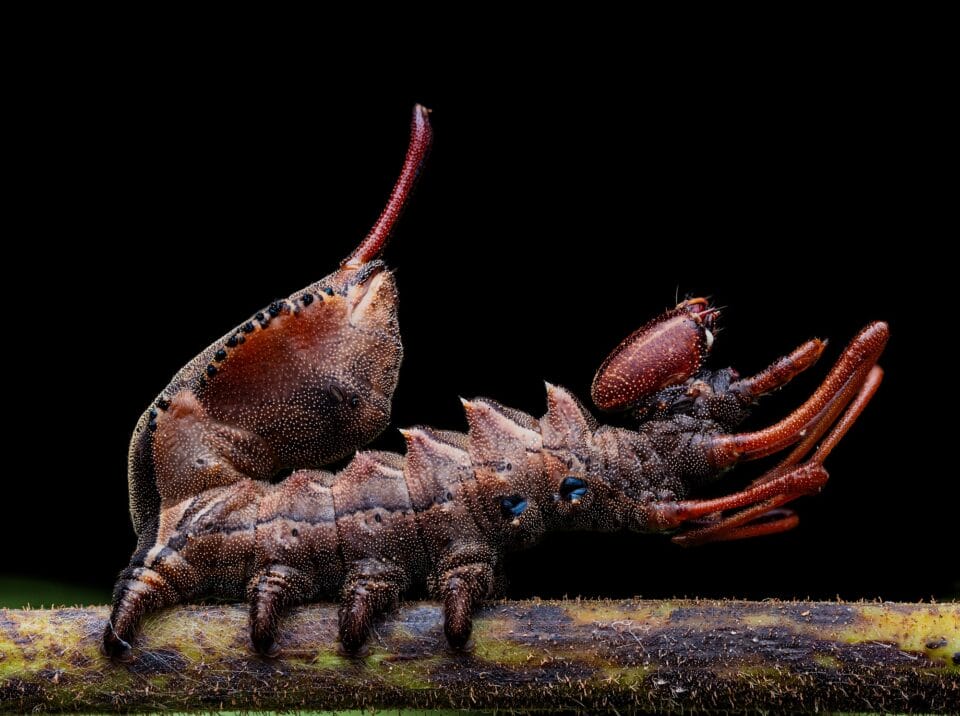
[{"x": 310, "y": 378}]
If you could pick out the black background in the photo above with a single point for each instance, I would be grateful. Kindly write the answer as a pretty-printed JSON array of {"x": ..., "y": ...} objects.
[{"x": 162, "y": 205}]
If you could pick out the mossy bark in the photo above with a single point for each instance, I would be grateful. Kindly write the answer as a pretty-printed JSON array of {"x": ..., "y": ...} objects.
[{"x": 642, "y": 655}]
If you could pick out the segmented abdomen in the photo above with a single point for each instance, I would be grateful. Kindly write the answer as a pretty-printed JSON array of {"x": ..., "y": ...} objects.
[
  {"x": 451, "y": 497},
  {"x": 408, "y": 511}
]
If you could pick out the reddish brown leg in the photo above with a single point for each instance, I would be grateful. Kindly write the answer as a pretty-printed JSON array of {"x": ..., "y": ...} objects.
[
  {"x": 768, "y": 521},
  {"x": 825, "y": 418},
  {"x": 780, "y": 486},
  {"x": 841, "y": 383},
  {"x": 781, "y": 372}
]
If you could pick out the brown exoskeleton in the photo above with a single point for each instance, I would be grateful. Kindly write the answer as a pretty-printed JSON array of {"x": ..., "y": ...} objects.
[{"x": 310, "y": 379}]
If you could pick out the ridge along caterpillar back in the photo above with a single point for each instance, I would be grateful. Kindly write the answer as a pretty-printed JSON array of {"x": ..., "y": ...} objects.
[{"x": 309, "y": 379}]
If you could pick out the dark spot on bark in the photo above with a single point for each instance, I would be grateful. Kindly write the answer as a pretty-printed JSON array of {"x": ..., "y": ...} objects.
[
  {"x": 956, "y": 658},
  {"x": 247, "y": 327},
  {"x": 77, "y": 659},
  {"x": 354, "y": 401},
  {"x": 241, "y": 339},
  {"x": 259, "y": 316},
  {"x": 51, "y": 675},
  {"x": 880, "y": 656},
  {"x": 541, "y": 677},
  {"x": 336, "y": 393},
  {"x": 295, "y": 532},
  {"x": 275, "y": 308},
  {"x": 689, "y": 648},
  {"x": 153, "y": 413},
  {"x": 220, "y": 355},
  {"x": 10, "y": 627},
  {"x": 424, "y": 620},
  {"x": 159, "y": 661},
  {"x": 825, "y": 614},
  {"x": 163, "y": 403},
  {"x": 263, "y": 669},
  {"x": 211, "y": 370},
  {"x": 14, "y": 690},
  {"x": 936, "y": 643},
  {"x": 152, "y": 425},
  {"x": 377, "y": 517},
  {"x": 232, "y": 341},
  {"x": 307, "y": 299},
  {"x": 805, "y": 613},
  {"x": 328, "y": 291},
  {"x": 548, "y": 614}
]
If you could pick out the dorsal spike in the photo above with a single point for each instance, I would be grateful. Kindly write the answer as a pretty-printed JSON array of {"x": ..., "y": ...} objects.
[
  {"x": 497, "y": 438},
  {"x": 435, "y": 466},
  {"x": 371, "y": 480},
  {"x": 567, "y": 424},
  {"x": 368, "y": 465},
  {"x": 434, "y": 447}
]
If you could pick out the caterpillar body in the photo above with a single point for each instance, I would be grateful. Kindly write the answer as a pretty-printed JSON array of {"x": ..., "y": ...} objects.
[{"x": 310, "y": 379}]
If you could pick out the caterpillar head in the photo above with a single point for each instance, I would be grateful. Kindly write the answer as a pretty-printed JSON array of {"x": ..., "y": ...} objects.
[{"x": 584, "y": 479}]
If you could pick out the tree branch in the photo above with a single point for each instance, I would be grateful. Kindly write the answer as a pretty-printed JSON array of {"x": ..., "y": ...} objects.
[{"x": 656, "y": 656}]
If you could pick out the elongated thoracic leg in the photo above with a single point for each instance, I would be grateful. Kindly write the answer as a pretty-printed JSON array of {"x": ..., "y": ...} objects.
[
  {"x": 781, "y": 372},
  {"x": 847, "y": 390},
  {"x": 370, "y": 590},
  {"x": 779, "y": 486},
  {"x": 841, "y": 383}
]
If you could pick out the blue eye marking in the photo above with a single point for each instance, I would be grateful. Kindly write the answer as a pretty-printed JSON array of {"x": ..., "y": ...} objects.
[
  {"x": 513, "y": 506},
  {"x": 572, "y": 488}
]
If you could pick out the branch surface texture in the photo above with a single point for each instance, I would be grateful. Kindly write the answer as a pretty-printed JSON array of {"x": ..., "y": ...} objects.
[{"x": 658, "y": 656}]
